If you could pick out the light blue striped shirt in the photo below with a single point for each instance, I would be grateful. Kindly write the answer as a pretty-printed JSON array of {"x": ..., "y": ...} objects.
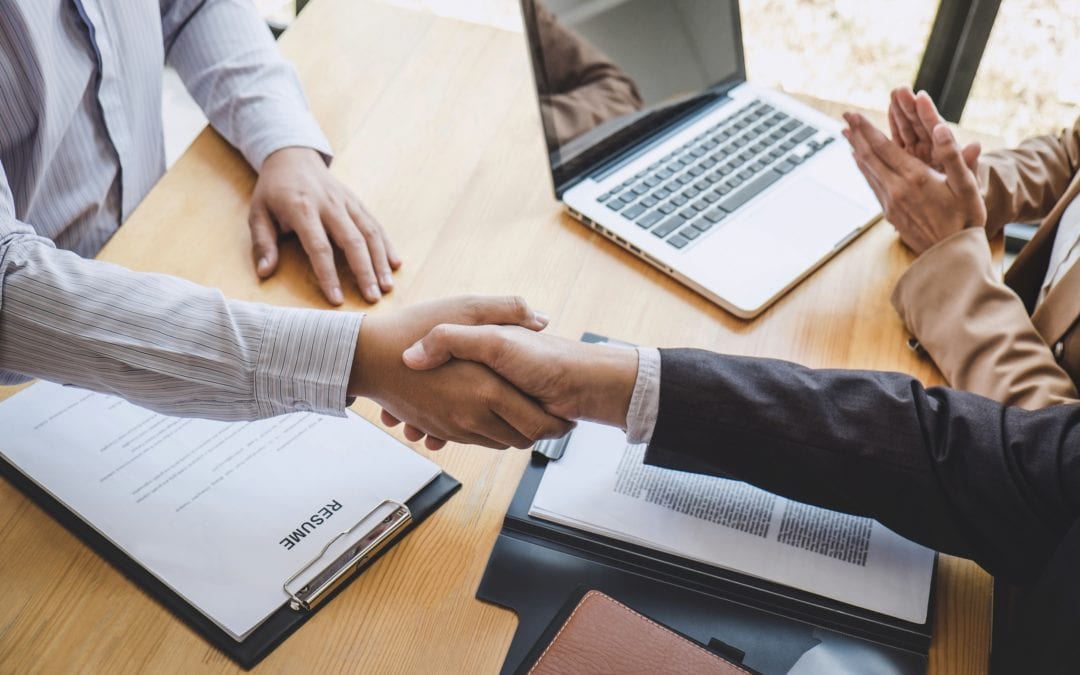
[{"x": 81, "y": 144}]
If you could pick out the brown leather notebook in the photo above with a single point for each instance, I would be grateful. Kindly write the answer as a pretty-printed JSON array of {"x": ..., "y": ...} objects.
[{"x": 603, "y": 635}]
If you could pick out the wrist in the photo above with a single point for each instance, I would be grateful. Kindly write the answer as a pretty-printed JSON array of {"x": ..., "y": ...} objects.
[
  {"x": 292, "y": 155},
  {"x": 608, "y": 384}
]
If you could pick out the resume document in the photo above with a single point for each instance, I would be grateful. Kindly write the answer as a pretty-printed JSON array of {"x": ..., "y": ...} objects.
[{"x": 222, "y": 513}]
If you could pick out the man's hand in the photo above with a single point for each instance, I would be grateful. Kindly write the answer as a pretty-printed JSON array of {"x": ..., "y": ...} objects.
[
  {"x": 923, "y": 204},
  {"x": 912, "y": 120},
  {"x": 460, "y": 401},
  {"x": 296, "y": 193},
  {"x": 572, "y": 380}
]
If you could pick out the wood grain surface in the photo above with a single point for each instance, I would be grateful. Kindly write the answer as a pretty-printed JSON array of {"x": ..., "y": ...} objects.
[{"x": 435, "y": 126}]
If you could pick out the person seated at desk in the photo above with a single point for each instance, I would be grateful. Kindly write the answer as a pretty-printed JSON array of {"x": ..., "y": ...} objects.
[
  {"x": 81, "y": 145},
  {"x": 949, "y": 469},
  {"x": 1015, "y": 341}
]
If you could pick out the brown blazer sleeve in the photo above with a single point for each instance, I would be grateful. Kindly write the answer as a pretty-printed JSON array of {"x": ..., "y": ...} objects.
[
  {"x": 976, "y": 328},
  {"x": 584, "y": 88},
  {"x": 1023, "y": 184}
]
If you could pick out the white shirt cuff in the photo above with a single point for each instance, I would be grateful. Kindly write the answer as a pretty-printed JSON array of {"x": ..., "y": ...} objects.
[
  {"x": 645, "y": 402},
  {"x": 305, "y": 361}
]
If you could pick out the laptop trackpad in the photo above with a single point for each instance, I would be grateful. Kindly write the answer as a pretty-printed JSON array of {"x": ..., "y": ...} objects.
[{"x": 765, "y": 249}]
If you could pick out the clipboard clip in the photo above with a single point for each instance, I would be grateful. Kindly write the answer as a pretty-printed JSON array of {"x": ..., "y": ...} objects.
[{"x": 355, "y": 556}]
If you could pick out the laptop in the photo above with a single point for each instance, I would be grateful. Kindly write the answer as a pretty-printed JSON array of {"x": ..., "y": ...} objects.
[{"x": 657, "y": 141}]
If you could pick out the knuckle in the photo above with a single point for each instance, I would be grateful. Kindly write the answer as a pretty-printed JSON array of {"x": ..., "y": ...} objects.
[{"x": 519, "y": 309}]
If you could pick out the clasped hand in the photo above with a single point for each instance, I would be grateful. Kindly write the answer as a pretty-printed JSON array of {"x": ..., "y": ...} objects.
[
  {"x": 569, "y": 380},
  {"x": 926, "y": 184}
]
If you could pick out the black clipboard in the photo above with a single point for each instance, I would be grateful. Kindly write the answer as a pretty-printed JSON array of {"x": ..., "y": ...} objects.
[
  {"x": 536, "y": 565},
  {"x": 282, "y": 623}
]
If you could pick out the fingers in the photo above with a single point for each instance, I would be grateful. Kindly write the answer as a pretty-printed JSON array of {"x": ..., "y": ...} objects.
[
  {"x": 957, "y": 173},
  {"x": 908, "y": 107},
  {"x": 865, "y": 156},
  {"x": 928, "y": 115},
  {"x": 481, "y": 344},
  {"x": 304, "y": 220},
  {"x": 357, "y": 253},
  {"x": 376, "y": 241},
  {"x": 890, "y": 154},
  {"x": 900, "y": 123},
  {"x": 373, "y": 229},
  {"x": 505, "y": 310},
  {"x": 528, "y": 418},
  {"x": 389, "y": 420},
  {"x": 970, "y": 153},
  {"x": 263, "y": 241}
]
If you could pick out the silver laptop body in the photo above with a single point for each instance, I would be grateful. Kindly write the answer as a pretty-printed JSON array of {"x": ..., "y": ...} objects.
[{"x": 737, "y": 191}]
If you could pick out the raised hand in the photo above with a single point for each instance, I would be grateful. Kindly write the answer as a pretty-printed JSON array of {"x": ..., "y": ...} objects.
[
  {"x": 460, "y": 401},
  {"x": 912, "y": 119},
  {"x": 572, "y": 380},
  {"x": 925, "y": 205}
]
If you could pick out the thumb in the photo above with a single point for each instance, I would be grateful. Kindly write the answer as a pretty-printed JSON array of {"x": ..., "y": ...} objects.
[
  {"x": 263, "y": 242},
  {"x": 447, "y": 341},
  {"x": 957, "y": 173}
]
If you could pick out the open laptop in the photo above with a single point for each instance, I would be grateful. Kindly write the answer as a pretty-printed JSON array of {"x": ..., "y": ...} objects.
[{"x": 657, "y": 141}]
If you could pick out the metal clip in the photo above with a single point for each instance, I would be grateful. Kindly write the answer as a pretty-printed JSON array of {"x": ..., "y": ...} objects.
[{"x": 354, "y": 557}]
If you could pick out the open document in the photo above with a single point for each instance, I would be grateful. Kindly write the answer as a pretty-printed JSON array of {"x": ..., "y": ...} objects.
[
  {"x": 222, "y": 513},
  {"x": 601, "y": 486}
]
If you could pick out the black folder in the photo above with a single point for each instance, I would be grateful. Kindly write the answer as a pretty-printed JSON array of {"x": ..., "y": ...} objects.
[
  {"x": 282, "y": 623},
  {"x": 537, "y": 564}
]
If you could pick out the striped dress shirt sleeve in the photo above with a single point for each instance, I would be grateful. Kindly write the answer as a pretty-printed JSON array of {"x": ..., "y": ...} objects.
[
  {"x": 230, "y": 64},
  {"x": 161, "y": 342}
]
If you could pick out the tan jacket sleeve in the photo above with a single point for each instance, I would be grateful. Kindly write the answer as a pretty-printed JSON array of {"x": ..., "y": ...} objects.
[
  {"x": 1023, "y": 184},
  {"x": 975, "y": 328}
]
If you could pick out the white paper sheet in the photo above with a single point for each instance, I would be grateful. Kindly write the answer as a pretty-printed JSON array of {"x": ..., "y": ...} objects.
[
  {"x": 601, "y": 486},
  {"x": 222, "y": 513}
]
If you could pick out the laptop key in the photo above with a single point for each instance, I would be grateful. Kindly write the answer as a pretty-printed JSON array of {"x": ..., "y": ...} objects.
[
  {"x": 668, "y": 226},
  {"x": 750, "y": 191},
  {"x": 787, "y": 145},
  {"x": 703, "y": 224},
  {"x": 785, "y": 166},
  {"x": 667, "y": 208},
  {"x": 791, "y": 125},
  {"x": 716, "y": 215},
  {"x": 804, "y": 133},
  {"x": 653, "y": 181},
  {"x": 685, "y": 178},
  {"x": 634, "y": 211},
  {"x": 690, "y": 232},
  {"x": 679, "y": 200},
  {"x": 649, "y": 202},
  {"x": 662, "y": 193},
  {"x": 649, "y": 219},
  {"x": 702, "y": 184},
  {"x": 678, "y": 241},
  {"x": 688, "y": 213},
  {"x": 616, "y": 204}
]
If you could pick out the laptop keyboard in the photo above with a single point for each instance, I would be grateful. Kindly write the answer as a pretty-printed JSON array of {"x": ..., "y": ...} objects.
[{"x": 684, "y": 195}]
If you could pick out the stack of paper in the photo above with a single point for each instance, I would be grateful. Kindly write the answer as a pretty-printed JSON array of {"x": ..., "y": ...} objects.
[{"x": 601, "y": 486}]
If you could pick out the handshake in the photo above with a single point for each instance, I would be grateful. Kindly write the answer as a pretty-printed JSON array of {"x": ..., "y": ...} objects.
[{"x": 477, "y": 370}]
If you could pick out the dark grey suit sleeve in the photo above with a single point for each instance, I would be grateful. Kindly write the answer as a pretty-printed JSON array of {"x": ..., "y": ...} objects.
[{"x": 954, "y": 471}]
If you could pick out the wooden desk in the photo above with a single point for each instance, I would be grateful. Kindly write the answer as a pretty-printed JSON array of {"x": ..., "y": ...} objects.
[{"x": 435, "y": 126}]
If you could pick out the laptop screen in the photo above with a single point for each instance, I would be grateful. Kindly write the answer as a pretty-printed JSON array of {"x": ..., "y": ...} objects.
[{"x": 610, "y": 72}]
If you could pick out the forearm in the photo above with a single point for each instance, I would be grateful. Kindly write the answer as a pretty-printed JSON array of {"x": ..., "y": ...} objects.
[
  {"x": 976, "y": 329},
  {"x": 954, "y": 471},
  {"x": 229, "y": 62},
  {"x": 162, "y": 342},
  {"x": 1023, "y": 183}
]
